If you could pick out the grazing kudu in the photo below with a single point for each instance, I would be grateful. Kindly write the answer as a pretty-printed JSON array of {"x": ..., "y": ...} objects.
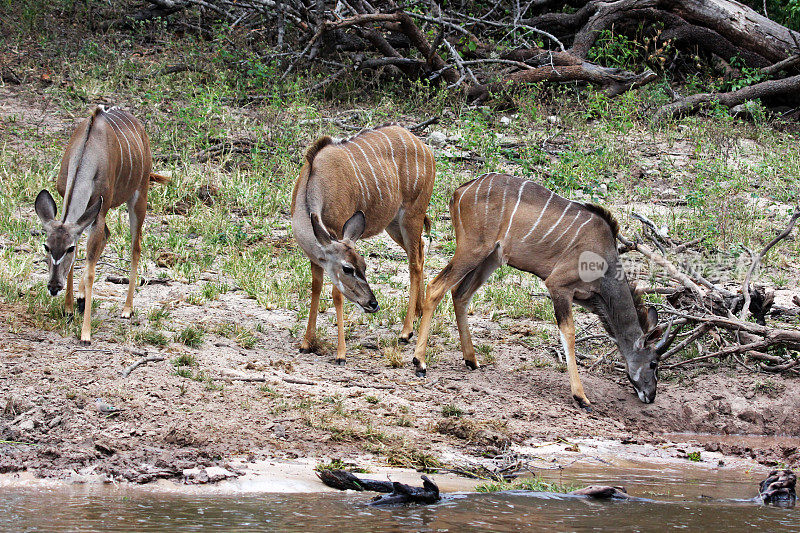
[
  {"x": 107, "y": 162},
  {"x": 501, "y": 219},
  {"x": 352, "y": 189}
]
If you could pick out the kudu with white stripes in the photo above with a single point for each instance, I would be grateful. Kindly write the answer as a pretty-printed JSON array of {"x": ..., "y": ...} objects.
[
  {"x": 380, "y": 179},
  {"x": 107, "y": 162},
  {"x": 501, "y": 219}
]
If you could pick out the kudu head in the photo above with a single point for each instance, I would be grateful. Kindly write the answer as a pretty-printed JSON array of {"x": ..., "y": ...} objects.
[
  {"x": 343, "y": 263},
  {"x": 642, "y": 361},
  {"x": 61, "y": 238}
]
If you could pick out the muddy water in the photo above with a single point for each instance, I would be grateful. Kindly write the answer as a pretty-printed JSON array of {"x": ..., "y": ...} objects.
[{"x": 684, "y": 498}]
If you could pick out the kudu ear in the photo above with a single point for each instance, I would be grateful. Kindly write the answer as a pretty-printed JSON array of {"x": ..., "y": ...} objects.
[
  {"x": 353, "y": 229},
  {"x": 45, "y": 206},
  {"x": 88, "y": 217},
  {"x": 320, "y": 232},
  {"x": 652, "y": 316}
]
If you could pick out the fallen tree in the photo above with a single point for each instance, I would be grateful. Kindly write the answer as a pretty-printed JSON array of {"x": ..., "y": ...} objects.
[
  {"x": 704, "y": 310},
  {"x": 485, "y": 49}
]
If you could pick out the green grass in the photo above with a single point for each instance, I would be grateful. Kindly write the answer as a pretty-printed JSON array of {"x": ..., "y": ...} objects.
[
  {"x": 532, "y": 484},
  {"x": 452, "y": 411},
  {"x": 191, "y": 336}
]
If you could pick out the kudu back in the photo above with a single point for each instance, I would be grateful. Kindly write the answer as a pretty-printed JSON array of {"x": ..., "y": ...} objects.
[
  {"x": 501, "y": 219},
  {"x": 106, "y": 163},
  {"x": 380, "y": 179}
]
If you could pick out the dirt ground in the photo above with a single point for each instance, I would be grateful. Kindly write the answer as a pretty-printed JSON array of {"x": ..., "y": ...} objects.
[{"x": 270, "y": 401}]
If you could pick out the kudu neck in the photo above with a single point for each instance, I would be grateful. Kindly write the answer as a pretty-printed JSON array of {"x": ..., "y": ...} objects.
[{"x": 619, "y": 312}]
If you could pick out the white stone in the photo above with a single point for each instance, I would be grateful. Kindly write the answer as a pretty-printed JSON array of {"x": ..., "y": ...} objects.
[{"x": 437, "y": 138}]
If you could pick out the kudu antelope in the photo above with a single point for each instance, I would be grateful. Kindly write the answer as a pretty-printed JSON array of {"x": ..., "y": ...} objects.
[
  {"x": 107, "y": 162},
  {"x": 352, "y": 189},
  {"x": 501, "y": 219}
]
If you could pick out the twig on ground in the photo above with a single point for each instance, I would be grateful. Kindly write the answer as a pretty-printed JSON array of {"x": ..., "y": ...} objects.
[{"x": 140, "y": 362}]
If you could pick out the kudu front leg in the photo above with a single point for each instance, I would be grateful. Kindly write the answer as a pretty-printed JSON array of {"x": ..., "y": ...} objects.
[
  {"x": 69, "y": 301},
  {"x": 566, "y": 326},
  {"x": 309, "y": 339},
  {"x": 338, "y": 303}
]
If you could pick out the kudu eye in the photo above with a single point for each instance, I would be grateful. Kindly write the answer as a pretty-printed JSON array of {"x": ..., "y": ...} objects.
[
  {"x": 348, "y": 270},
  {"x": 46, "y": 248},
  {"x": 70, "y": 249},
  {"x": 653, "y": 364}
]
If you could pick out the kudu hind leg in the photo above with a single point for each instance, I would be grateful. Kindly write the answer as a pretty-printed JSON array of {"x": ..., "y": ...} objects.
[
  {"x": 416, "y": 260},
  {"x": 136, "y": 214},
  {"x": 309, "y": 339},
  {"x": 562, "y": 305},
  {"x": 453, "y": 273},
  {"x": 94, "y": 249},
  {"x": 462, "y": 294}
]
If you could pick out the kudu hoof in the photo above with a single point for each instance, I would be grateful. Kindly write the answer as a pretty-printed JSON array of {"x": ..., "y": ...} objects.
[
  {"x": 406, "y": 340},
  {"x": 81, "y": 303},
  {"x": 339, "y": 362},
  {"x": 470, "y": 365},
  {"x": 583, "y": 404},
  {"x": 85, "y": 343},
  {"x": 305, "y": 350},
  {"x": 421, "y": 373}
]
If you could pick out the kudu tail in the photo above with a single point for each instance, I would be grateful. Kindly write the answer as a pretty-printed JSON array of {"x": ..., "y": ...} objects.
[
  {"x": 426, "y": 223},
  {"x": 158, "y": 178}
]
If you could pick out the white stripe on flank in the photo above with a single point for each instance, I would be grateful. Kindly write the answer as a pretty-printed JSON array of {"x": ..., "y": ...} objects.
[
  {"x": 556, "y": 224},
  {"x": 568, "y": 227},
  {"x": 121, "y": 154},
  {"x": 578, "y": 231},
  {"x": 381, "y": 164},
  {"x": 505, "y": 193},
  {"x": 478, "y": 188},
  {"x": 416, "y": 159},
  {"x": 514, "y": 212},
  {"x": 120, "y": 129},
  {"x": 488, "y": 194},
  {"x": 364, "y": 189},
  {"x": 374, "y": 174},
  {"x": 405, "y": 153},
  {"x": 462, "y": 196},
  {"x": 394, "y": 159},
  {"x": 539, "y": 219},
  {"x": 424, "y": 157},
  {"x": 127, "y": 119}
]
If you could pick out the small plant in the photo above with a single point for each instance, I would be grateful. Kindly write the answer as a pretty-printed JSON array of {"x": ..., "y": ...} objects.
[
  {"x": 394, "y": 357},
  {"x": 452, "y": 411},
  {"x": 485, "y": 351},
  {"x": 371, "y": 399},
  {"x": 157, "y": 316},
  {"x": 184, "y": 372},
  {"x": 339, "y": 464},
  {"x": 532, "y": 484},
  {"x": 151, "y": 336},
  {"x": 191, "y": 336},
  {"x": 185, "y": 359},
  {"x": 694, "y": 457}
]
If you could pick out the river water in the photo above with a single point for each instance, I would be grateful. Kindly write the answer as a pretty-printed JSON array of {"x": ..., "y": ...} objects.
[{"x": 688, "y": 498}]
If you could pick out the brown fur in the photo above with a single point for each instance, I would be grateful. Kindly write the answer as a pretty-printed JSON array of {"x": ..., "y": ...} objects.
[{"x": 606, "y": 215}]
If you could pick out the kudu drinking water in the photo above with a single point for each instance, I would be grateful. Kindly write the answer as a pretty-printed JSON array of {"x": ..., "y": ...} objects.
[
  {"x": 352, "y": 189},
  {"x": 107, "y": 162},
  {"x": 501, "y": 219}
]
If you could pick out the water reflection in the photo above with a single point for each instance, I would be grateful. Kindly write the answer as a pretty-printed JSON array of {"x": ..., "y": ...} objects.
[{"x": 98, "y": 509}]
